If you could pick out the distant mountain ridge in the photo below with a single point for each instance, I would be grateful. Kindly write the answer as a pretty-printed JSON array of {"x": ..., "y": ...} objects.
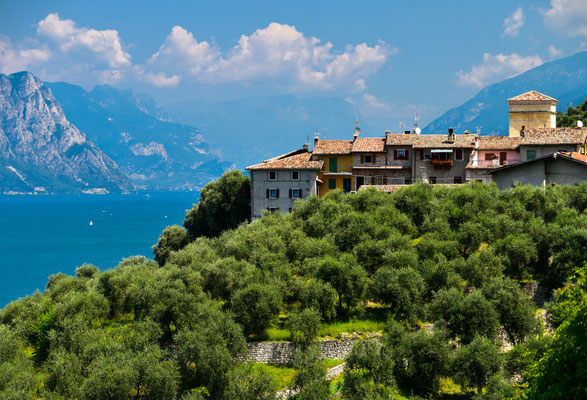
[
  {"x": 252, "y": 129},
  {"x": 42, "y": 151},
  {"x": 564, "y": 79},
  {"x": 154, "y": 153}
]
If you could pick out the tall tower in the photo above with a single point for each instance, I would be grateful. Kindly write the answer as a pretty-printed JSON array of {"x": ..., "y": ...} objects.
[{"x": 531, "y": 110}]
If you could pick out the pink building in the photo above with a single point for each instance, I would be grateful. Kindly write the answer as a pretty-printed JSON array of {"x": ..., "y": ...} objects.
[{"x": 492, "y": 152}]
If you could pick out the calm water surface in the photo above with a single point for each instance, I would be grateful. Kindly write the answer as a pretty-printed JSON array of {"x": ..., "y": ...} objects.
[{"x": 43, "y": 235}]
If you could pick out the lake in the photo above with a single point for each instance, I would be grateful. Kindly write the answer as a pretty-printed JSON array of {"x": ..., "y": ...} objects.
[{"x": 43, "y": 235}]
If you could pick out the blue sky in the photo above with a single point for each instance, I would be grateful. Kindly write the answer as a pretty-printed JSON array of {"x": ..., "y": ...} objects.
[{"x": 390, "y": 58}]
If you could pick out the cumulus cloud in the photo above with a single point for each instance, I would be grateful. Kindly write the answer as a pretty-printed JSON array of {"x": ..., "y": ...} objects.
[
  {"x": 69, "y": 37},
  {"x": 496, "y": 67},
  {"x": 567, "y": 16},
  {"x": 278, "y": 52},
  {"x": 13, "y": 59},
  {"x": 554, "y": 52},
  {"x": 513, "y": 23},
  {"x": 371, "y": 103}
]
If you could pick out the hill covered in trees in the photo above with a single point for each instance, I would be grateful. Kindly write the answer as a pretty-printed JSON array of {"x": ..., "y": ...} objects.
[
  {"x": 452, "y": 257},
  {"x": 573, "y": 114}
]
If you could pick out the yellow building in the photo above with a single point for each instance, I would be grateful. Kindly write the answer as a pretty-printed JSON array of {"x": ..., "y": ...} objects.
[
  {"x": 531, "y": 110},
  {"x": 337, "y": 171}
]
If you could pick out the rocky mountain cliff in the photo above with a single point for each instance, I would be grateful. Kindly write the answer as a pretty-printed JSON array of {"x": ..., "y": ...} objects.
[
  {"x": 564, "y": 79},
  {"x": 40, "y": 150},
  {"x": 154, "y": 153}
]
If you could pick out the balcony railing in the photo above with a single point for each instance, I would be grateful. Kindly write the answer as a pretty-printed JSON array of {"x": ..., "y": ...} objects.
[{"x": 491, "y": 163}]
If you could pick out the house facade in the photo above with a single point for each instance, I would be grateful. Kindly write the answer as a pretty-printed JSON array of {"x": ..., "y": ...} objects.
[
  {"x": 337, "y": 165},
  {"x": 277, "y": 183}
]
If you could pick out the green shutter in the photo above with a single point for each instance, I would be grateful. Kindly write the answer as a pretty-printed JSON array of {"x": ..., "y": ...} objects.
[
  {"x": 331, "y": 184},
  {"x": 333, "y": 165},
  {"x": 530, "y": 154}
]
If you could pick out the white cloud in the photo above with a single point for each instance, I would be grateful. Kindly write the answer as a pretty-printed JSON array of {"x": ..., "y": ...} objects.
[
  {"x": 513, "y": 23},
  {"x": 371, "y": 103},
  {"x": 279, "y": 52},
  {"x": 554, "y": 52},
  {"x": 568, "y": 16},
  {"x": 161, "y": 80},
  {"x": 69, "y": 37},
  {"x": 14, "y": 60},
  {"x": 494, "y": 68}
]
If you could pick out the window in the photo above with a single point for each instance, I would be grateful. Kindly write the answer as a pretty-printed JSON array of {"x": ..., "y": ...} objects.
[
  {"x": 379, "y": 180},
  {"x": 458, "y": 179},
  {"x": 333, "y": 164},
  {"x": 331, "y": 184},
  {"x": 401, "y": 154},
  {"x": 427, "y": 154},
  {"x": 368, "y": 158},
  {"x": 290, "y": 209},
  {"x": 273, "y": 209},
  {"x": 295, "y": 193},
  {"x": 530, "y": 154},
  {"x": 272, "y": 175},
  {"x": 272, "y": 193},
  {"x": 432, "y": 179},
  {"x": 407, "y": 181},
  {"x": 459, "y": 154},
  {"x": 295, "y": 175}
]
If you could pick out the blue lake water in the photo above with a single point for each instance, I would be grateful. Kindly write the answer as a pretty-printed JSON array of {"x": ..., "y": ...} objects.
[{"x": 43, "y": 235}]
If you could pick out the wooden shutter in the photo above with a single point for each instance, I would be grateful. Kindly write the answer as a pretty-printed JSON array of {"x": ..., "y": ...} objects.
[
  {"x": 407, "y": 153},
  {"x": 421, "y": 154},
  {"x": 395, "y": 154},
  {"x": 267, "y": 193},
  {"x": 362, "y": 159},
  {"x": 290, "y": 193},
  {"x": 276, "y": 193},
  {"x": 373, "y": 158},
  {"x": 300, "y": 193}
]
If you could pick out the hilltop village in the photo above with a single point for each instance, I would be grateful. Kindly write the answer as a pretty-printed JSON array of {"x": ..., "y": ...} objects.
[{"x": 535, "y": 151}]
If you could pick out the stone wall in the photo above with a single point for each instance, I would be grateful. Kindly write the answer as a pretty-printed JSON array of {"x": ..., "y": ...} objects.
[{"x": 283, "y": 352}]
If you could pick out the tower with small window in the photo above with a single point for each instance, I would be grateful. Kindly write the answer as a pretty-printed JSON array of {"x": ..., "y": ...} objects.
[{"x": 531, "y": 110}]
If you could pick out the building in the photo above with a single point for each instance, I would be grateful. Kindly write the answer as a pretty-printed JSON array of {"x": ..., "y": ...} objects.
[
  {"x": 492, "y": 152},
  {"x": 555, "y": 168},
  {"x": 369, "y": 162},
  {"x": 537, "y": 142},
  {"x": 337, "y": 165},
  {"x": 278, "y": 182},
  {"x": 531, "y": 110}
]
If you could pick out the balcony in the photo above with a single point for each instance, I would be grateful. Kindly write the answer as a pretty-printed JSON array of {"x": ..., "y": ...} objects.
[{"x": 441, "y": 163}]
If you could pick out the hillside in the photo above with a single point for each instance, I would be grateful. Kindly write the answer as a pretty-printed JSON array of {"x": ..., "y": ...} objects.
[
  {"x": 564, "y": 79},
  {"x": 372, "y": 261},
  {"x": 572, "y": 115},
  {"x": 40, "y": 148},
  {"x": 155, "y": 154}
]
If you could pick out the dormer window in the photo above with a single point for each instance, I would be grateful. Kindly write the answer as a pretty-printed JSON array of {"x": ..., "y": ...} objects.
[{"x": 272, "y": 175}]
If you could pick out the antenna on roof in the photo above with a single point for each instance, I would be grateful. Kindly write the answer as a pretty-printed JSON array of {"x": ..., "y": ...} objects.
[
  {"x": 324, "y": 133},
  {"x": 478, "y": 130},
  {"x": 401, "y": 127},
  {"x": 416, "y": 119}
]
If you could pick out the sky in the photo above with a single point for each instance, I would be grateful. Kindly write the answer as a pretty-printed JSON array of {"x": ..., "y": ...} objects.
[{"x": 389, "y": 58}]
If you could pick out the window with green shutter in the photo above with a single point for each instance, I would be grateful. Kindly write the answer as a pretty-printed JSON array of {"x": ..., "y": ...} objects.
[
  {"x": 331, "y": 184},
  {"x": 530, "y": 154},
  {"x": 333, "y": 164}
]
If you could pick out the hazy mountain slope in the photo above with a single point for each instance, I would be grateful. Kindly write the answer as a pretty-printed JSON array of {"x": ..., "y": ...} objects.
[
  {"x": 155, "y": 154},
  {"x": 39, "y": 147},
  {"x": 252, "y": 129},
  {"x": 564, "y": 79}
]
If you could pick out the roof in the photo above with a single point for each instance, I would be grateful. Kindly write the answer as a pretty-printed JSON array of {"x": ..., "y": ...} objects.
[
  {"x": 532, "y": 95},
  {"x": 498, "y": 142},
  {"x": 576, "y": 157},
  {"x": 369, "y": 145},
  {"x": 296, "y": 161},
  {"x": 333, "y": 147},
  {"x": 431, "y": 141},
  {"x": 554, "y": 136}
]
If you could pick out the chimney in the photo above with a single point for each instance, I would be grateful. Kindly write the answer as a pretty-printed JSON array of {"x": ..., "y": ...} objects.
[
  {"x": 467, "y": 132},
  {"x": 305, "y": 146},
  {"x": 522, "y": 131},
  {"x": 316, "y": 140},
  {"x": 451, "y": 135}
]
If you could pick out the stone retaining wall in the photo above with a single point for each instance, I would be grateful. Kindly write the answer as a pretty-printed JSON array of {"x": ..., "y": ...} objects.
[{"x": 283, "y": 352}]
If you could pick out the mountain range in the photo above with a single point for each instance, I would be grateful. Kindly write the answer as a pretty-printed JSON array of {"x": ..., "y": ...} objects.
[
  {"x": 42, "y": 151},
  {"x": 154, "y": 153},
  {"x": 564, "y": 79}
]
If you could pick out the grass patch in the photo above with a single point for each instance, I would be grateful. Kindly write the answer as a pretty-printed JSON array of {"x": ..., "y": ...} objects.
[
  {"x": 282, "y": 375},
  {"x": 330, "y": 363}
]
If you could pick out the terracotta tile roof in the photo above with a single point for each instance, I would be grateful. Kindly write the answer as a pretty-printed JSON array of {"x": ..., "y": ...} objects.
[
  {"x": 369, "y": 145},
  {"x": 576, "y": 156},
  {"x": 333, "y": 147},
  {"x": 532, "y": 95},
  {"x": 430, "y": 141},
  {"x": 498, "y": 142},
  {"x": 296, "y": 161},
  {"x": 533, "y": 136}
]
